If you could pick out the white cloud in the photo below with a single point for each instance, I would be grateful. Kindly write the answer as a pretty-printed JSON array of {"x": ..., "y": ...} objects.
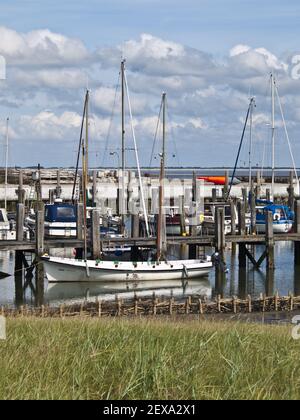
[{"x": 40, "y": 47}]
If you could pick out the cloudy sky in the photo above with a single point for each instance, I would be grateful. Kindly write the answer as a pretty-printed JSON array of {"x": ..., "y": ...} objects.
[{"x": 209, "y": 56}]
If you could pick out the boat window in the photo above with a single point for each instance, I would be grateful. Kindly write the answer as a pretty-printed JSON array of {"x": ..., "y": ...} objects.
[
  {"x": 67, "y": 212},
  {"x": 227, "y": 211},
  {"x": 1, "y": 217}
]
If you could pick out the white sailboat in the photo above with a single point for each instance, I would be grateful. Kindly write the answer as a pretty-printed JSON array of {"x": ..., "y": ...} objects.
[{"x": 71, "y": 270}]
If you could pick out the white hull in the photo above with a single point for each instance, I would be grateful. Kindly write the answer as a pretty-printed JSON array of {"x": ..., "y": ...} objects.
[
  {"x": 277, "y": 227},
  {"x": 70, "y": 270},
  {"x": 8, "y": 235}
]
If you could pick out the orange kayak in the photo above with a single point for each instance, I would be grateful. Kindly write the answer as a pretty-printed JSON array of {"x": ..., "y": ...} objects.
[{"x": 217, "y": 180}]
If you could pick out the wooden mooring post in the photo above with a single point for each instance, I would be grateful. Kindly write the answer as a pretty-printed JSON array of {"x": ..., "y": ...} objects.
[
  {"x": 96, "y": 243},
  {"x": 220, "y": 240},
  {"x": 20, "y": 222},
  {"x": 270, "y": 244},
  {"x": 39, "y": 251},
  {"x": 20, "y": 191}
]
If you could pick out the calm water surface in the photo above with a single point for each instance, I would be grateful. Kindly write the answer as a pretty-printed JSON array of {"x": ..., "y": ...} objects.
[{"x": 285, "y": 279}]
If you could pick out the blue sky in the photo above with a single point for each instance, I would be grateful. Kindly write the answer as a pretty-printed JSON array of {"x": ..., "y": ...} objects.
[
  {"x": 207, "y": 55},
  {"x": 212, "y": 25}
]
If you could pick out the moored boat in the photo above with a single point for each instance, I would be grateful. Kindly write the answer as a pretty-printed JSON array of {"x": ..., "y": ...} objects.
[
  {"x": 283, "y": 218},
  {"x": 70, "y": 270}
]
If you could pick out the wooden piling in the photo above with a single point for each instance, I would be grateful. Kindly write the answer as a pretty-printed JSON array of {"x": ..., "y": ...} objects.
[
  {"x": 20, "y": 222},
  {"x": 214, "y": 195},
  {"x": 242, "y": 256},
  {"x": 253, "y": 211},
  {"x": 96, "y": 243},
  {"x": 18, "y": 275},
  {"x": 135, "y": 226},
  {"x": 39, "y": 230},
  {"x": 242, "y": 218},
  {"x": 39, "y": 251},
  {"x": 220, "y": 239},
  {"x": 80, "y": 223},
  {"x": 270, "y": 241},
  {"x": 233, "y": 218},
  {"x": 20, "y": 191}
]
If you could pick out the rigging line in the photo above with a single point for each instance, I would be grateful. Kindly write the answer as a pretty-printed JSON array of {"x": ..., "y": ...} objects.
[
  {"x": 172, "y": 135},
  {"x": 239, "y": 151},
  {"x": 79, "y": 150},
  {"x": 137, "y": 157},
  {"x": 156, "y": 135},
  {"x": 112, "y": 115},
  {"x": 287, "y": 137}
]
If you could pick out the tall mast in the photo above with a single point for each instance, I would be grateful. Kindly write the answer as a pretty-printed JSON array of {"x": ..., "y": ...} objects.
[
  {"x": 123, "y": 144},
  {"x": 123, "y": 113},
  {"x": 85, "y": 173},
  {"x": 273, "y": 133},
  {"x": 87, "y": 131},
  {"x": 252, "y": 105},
  {"x": 161, "y": 225},
  {"x": 6, "y": 162}
]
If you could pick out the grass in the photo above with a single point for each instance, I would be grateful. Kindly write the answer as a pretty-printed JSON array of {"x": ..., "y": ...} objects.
[{"x": 107, "y": 359}]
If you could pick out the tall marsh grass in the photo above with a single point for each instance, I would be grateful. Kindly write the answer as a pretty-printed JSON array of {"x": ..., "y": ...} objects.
[{"x": 107, "y": 359}]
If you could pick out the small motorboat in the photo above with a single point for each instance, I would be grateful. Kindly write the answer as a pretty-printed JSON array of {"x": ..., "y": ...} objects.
[{"x": 283, "y": 218}]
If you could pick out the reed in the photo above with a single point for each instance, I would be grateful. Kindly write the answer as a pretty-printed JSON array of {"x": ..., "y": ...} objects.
[{"x": 147, "y": 359}]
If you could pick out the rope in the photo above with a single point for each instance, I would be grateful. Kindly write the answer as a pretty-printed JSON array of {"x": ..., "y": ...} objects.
[
  {"x": 173, "y": 136},
  {"x": 79, "y": 150},
  {"x": 240, "y": 148},
  {"x": 137, "y": 159},
  {"x": 288, "y": 138},
  {"x": 156, "y": 134},
  {"x": 110, "y": 122}
]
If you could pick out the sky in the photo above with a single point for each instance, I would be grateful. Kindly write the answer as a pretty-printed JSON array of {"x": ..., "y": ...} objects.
[{"x": 208, "y": 56}]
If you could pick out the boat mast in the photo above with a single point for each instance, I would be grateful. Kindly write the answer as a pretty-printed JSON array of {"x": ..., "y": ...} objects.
[
  {"x": 6, "y": 163},
  {"x": 252, "y": 105},
  {"x": 273, "y": 134},
  {"x": 161, "y": 225},
  {"x": 85, "y": 172},
  {"x": 123, "y": 144}
]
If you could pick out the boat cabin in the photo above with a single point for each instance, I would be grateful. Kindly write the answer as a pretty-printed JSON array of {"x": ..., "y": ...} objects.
[{"x": 60, "y": 220}]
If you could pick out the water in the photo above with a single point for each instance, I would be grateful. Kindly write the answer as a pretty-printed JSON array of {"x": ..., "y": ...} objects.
[{"x": 237, "y": 282}]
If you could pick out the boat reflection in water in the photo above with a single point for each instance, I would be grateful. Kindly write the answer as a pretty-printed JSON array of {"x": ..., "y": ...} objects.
[{"x": 70, "y": 292}]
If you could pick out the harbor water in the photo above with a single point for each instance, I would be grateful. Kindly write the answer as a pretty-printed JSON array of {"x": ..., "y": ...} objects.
[{"x": 230, "y": 281}]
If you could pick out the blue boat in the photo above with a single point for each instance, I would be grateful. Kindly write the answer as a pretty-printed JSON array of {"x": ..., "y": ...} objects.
[{"x": 283, "y": 217}]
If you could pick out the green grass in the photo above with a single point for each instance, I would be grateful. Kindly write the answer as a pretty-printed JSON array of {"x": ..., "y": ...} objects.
[{"x": 107, "y": 359}]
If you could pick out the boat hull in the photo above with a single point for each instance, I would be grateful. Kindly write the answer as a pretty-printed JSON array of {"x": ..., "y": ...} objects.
[
  {"x": 285, "y": 227},
  {"x": 68, "y": 270}
]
